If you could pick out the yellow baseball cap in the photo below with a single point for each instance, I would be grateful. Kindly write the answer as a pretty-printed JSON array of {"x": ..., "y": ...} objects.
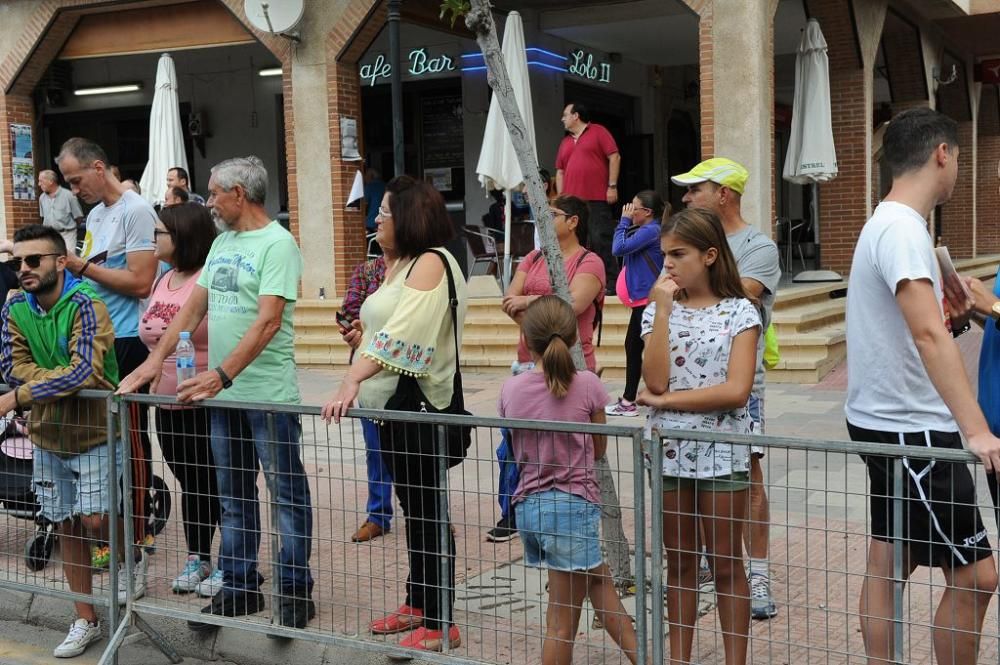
[{"x": 719, "y": 170}]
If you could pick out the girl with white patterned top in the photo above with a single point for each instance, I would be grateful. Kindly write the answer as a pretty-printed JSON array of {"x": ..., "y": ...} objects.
[{"x": 700, "y": 332}]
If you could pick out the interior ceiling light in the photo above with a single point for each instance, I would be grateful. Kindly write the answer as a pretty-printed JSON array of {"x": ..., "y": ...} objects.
[
  {"x": 108, "y": 89},
  {"x": 272, "y": 71}
]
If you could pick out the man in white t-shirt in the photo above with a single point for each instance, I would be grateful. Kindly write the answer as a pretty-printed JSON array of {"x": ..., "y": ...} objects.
[{"x": 907, "y": 386}]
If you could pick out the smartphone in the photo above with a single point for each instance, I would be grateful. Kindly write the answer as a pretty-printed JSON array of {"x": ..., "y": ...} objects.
[
  {"x": 98, "y": 259},
  {"x": 343, "y": 321}
]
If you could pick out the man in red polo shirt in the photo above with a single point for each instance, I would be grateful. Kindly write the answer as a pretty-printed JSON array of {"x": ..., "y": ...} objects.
[{"x": 587, "y": 166}]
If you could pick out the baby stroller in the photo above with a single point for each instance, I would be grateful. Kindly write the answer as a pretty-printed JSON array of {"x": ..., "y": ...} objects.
[{"x": 17, "y": 497}]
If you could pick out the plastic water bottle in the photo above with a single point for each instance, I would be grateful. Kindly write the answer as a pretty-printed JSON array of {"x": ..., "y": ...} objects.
[{"x": 185, "y": 358}]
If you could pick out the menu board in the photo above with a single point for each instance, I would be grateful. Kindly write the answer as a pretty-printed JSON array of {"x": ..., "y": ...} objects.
[{"x": 442, "y": 138}]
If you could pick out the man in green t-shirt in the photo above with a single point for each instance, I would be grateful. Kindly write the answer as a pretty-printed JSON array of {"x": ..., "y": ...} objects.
[
  {"x": 56, "y": 339},
  {"x": 248, "y": 290}
]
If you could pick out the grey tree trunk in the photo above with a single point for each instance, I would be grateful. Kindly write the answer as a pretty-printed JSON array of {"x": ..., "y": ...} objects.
[{"x": 479, "y": 20}]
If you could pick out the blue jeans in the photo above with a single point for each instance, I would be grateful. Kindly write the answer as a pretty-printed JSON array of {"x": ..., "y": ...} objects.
[
  {"x": 509, "y": 474},
  {"x": 241, "y": 444},
  {"x": 379, "y": 480}
]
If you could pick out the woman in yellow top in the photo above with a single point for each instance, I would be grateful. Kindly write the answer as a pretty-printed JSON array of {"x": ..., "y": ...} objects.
[{"x": 406, "y": 328}]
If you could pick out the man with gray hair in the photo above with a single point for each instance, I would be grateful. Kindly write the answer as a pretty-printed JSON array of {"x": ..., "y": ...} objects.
[
  {"x": 58, "y": 208},
  {"x": 248, "y": 290}
]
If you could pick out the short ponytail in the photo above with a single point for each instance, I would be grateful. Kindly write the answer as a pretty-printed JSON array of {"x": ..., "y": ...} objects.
[{"x": 549, "y": 328}]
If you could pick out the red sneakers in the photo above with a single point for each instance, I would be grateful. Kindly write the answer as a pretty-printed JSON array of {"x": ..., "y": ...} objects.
[
  {"x": 403, "y": 619},
  {"x": 424, "y": 639}
]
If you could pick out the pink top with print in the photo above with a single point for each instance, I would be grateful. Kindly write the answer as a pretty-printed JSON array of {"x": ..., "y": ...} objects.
[{"x": 164, "y": 303}]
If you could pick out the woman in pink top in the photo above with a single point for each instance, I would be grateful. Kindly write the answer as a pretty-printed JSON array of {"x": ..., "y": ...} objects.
[
  {"x": 557, "y": 500},
  {"x": 184, "y": 234},
  {"x": 584, "y": 270}
]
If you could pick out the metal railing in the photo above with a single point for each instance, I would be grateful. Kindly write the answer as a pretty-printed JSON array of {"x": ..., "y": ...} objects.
[{"x": 819, "y": 523}]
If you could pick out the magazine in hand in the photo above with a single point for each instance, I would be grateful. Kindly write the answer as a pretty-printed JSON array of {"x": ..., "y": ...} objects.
[{"x": 949, "y": 275}]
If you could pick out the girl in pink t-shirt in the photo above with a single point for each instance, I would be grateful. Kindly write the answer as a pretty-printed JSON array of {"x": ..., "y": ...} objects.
[{"x": 557, "y": 499}]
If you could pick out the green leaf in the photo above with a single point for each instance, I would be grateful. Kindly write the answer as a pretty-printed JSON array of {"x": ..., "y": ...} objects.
[{"x": 457, "y": 8}]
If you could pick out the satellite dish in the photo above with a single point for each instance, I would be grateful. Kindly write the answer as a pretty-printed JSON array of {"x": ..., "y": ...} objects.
[{"x": 274, "y": 16}]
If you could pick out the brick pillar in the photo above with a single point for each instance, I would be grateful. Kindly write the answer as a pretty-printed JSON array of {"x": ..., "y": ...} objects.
[
  {"x": 852, "y": 39},
  {"x": 361, "y": 23},
  {"x": 14, "y": 109},
  {"x": 988, "y": 174},
  {"x": 706, "y": 63},
  {"x": 955, "y": 221}
]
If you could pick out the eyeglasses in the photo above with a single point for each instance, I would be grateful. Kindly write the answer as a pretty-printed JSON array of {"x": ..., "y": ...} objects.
[
  {"x": 383, "y": 212},
  {"x": 31, "y": 260},
  {"x": 558, "y": 213},
  {"x": 162, "y": 232}
]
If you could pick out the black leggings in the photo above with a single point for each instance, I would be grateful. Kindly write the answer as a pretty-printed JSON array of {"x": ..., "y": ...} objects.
[
  {"x": 184, "y": 440},
  {"x": 415, "y": 475},
  {"x": 633, "y": 353}
]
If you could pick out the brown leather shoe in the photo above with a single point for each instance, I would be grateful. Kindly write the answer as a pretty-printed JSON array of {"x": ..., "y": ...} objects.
[{"x": 368, "y": 531}]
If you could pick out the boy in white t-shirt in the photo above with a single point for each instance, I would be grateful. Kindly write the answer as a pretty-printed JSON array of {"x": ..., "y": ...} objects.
[{"x": 907, "y": 386}]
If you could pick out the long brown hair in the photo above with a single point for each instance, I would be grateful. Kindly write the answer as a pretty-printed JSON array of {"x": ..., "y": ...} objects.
[
  {"x": 702, "y": 230},
  {"x": 549, "y": 329}
]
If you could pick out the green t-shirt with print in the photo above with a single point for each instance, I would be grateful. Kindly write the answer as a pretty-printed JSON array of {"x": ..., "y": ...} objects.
[{"x": 241, "y": 267}]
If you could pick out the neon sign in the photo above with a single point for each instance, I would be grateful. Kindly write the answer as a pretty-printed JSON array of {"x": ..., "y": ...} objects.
[
  {"x": 581, "y": 63},
  {"x": 420, "y": 64}
]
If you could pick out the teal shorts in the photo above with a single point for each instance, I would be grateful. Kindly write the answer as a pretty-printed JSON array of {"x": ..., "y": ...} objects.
[{"x": 734, "y": 482}]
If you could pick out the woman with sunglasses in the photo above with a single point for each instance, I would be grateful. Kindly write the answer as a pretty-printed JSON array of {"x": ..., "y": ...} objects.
[
  {"x": 406, "y": 328},
  {"x": 637, "y": 239},
  {"x": 184, "y": 233}
]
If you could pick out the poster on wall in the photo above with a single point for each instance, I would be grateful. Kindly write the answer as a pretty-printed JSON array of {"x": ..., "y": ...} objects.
[
  {"x": 440, "y": 178},
  {"x": 349, "y": 140},
  {"x": 22, "y": 166}
]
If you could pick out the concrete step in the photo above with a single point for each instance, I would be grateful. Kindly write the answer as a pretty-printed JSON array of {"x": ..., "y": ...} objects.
[{"x": 809, "y": 316}]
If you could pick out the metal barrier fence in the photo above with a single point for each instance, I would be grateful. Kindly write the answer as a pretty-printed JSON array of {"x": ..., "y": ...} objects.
[
  {"x": 35, "y": 547},
  {"x": 820, "y": 528}
]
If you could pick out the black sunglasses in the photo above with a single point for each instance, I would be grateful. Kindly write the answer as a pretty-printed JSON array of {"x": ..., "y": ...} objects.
[{"x": 31, "y": 260}]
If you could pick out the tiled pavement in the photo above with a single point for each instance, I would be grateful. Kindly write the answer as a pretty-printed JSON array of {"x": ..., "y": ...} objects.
[{"x": 817, "y": 546}]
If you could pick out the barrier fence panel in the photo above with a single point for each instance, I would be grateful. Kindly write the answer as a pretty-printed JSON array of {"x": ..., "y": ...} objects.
[
  {"x": 47, "y": 546},
  {"x": 820, "y": 530},
  {"x": 314, "y": 480}
]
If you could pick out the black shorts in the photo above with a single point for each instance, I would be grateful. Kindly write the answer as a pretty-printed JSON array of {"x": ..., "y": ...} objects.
[{"x": 941, "y": 521}]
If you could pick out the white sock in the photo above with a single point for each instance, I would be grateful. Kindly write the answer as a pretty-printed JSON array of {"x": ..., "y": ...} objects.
[{"x": 759, "y": 567}]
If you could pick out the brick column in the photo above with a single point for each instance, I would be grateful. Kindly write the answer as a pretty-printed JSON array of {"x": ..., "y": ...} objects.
[
  {"x": 361, "y": 23},
  {"x": 17, "y": 214},
  {"x": 845, "y": 203},
  {"x": 956, "y": 218},
  {"x": 988, "y": 175}
]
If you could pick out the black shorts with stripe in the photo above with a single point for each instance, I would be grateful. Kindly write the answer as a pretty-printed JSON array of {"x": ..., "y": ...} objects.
[{"x": 942, "y": 525}]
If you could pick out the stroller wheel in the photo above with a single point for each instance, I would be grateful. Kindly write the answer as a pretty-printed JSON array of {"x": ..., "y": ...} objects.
[
  {"x": 38, "y": 550},
  {"x": 158, "y": 505}
]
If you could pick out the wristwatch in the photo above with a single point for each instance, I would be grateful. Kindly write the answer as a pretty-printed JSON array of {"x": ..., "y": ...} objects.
[{"x": 226, "y": 381}]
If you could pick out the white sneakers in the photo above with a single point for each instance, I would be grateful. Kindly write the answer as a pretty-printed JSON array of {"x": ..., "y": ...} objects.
[
  {"x": 81, "y": 634},
  {"x": 211, "y": 585},
  {"x": 139, "y": 573},
  {"x": 195, "y": 571}
]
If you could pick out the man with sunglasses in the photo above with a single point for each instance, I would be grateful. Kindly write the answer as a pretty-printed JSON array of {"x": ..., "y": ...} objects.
[
  {"x": 57, "y": 339},
  {"x": 117, "y": 261}
]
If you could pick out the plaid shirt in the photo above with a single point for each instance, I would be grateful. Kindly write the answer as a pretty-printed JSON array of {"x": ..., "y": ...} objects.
[{"x": 365, "y": 280}]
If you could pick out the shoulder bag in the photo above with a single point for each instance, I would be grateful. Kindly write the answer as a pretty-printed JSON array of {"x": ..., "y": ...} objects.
[{"x": 409, "y": 397}]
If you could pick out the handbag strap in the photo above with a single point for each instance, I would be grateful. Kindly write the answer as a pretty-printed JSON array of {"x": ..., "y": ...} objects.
[
  {"x": 650, "y": 262},
  {"x": 452, "y": 300}
]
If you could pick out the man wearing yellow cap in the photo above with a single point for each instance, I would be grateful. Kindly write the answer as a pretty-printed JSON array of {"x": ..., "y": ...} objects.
[{"x": 717, "y": 185}]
